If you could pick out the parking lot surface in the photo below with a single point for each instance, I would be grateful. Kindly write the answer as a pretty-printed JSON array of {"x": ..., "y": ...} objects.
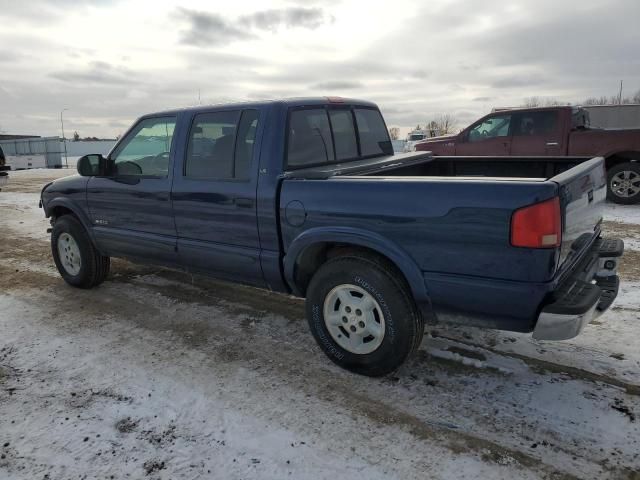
[{"x": 161, "y": 374}]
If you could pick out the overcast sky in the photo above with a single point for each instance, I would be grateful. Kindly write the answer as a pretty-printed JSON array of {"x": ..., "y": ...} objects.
[{"x": 110, "y": 61}]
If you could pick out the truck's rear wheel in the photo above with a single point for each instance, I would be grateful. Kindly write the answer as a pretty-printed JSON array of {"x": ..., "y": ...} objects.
[
  {"x": 77, "y": 260},
  {"x": 624, "y": 183},
  {"x": 362, "y": 315}
]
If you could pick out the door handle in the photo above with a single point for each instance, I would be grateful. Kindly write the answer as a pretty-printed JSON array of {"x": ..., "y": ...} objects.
[
  {"x": 552, "y": 144},
  {"x": 243, "y": 202}
]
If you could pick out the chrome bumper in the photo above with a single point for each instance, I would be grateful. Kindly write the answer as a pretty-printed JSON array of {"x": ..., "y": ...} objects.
[{"x": 585, "y": 296}]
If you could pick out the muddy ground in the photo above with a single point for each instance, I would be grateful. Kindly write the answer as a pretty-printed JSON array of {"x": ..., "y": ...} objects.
[{"x": 159, "y": 374}]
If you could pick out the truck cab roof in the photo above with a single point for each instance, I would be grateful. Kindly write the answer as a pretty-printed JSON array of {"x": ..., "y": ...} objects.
[{"x": 287, "y": 102}]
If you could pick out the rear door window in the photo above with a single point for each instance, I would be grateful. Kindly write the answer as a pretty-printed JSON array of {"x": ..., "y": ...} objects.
[
  {"x": 536, "y": 123},
  {"x": 244, "y": 144},
  {"x": 210, "y": 153},
  {"x": 374, "y": 137},
  {"x": 309, "y": 138}
]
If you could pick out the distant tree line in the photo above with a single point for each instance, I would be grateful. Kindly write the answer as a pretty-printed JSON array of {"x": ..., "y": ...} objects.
[
  {"x": 531, "y": 102},
  {"x": 76, "y": 138}
]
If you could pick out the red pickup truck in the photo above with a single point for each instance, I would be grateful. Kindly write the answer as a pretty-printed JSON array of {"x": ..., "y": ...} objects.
[{"x": 550, "y": 131}]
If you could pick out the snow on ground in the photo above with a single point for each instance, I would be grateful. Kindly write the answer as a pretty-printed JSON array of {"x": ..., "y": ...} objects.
[
  {"x": 157, "y": 374},
  {"x": 622, "y": 213}
]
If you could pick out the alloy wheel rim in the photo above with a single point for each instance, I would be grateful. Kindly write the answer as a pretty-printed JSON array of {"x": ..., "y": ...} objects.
[
  {"x": 354, "y": 319},
  {"x": 69, "y": 254},
  {"x": 625, "y": 184}
]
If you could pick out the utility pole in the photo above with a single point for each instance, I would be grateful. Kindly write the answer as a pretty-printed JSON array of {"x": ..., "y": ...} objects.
[
  {"x": 620, "y": 95},
  {"x": 64, "y": 140}
]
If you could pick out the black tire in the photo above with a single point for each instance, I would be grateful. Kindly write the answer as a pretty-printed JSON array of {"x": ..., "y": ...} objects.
[
  {"x": 404, "y": 326},
  {"x": 94, "y": 267},
  {"x": 613, "y": 182}
]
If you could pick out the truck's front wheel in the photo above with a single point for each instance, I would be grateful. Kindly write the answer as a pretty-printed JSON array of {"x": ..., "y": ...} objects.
[
  {"x": 624, "y": 183},
  {"x": 77, "y": 260},
  {"x": 362, "y": 315}
]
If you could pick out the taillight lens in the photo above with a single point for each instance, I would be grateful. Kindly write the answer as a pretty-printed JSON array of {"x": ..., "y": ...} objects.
[{"x": 537, "y": 226}]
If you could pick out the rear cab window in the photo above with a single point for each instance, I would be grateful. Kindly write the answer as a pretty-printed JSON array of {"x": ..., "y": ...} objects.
[
  {"x": 374, "y": 137},
  {"x": 328, "y": 134}
]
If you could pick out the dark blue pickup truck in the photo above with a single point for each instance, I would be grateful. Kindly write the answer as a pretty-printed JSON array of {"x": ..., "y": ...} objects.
[{"x": 305, "y": 196}]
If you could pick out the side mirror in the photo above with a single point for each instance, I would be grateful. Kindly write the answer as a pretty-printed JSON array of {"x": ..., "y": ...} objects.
[{"x": 93, "y": 165}]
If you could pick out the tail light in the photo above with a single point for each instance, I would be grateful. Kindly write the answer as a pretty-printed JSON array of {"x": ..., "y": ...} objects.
[{"x": 538, "y": 225}]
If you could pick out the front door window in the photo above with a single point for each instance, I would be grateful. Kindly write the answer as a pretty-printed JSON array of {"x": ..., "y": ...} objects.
[
  {"x": 145, "y": 152},
  {"x": 491, "y": 127}
]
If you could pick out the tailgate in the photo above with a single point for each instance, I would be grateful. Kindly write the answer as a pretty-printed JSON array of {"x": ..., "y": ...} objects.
[{"x": 583, "y": 190}]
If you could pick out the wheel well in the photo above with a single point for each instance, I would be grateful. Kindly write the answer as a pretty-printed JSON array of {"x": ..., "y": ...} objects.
[
  {"x": 314, "y": 256},
  {"x": 621, "y": 157},
  {"x": 59, "y": 211}
]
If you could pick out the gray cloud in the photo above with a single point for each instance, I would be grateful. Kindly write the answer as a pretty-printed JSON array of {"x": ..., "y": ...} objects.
[
  {"x": 98, "y": 72},
  {"x": 209, "y": 29},
  {"x": 337, "y": 85},
  {"x": 510, "y": 81},
  {"x": 446, "y": 57},
  {"x": 8, "y": 57},
  {"x": 206, "y": 29},
  {"x": 290, "y": 17},
  {"x": 45, "y": 11}
]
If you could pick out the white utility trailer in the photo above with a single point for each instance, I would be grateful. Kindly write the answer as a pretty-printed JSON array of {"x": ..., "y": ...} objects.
[{"x": 35, "y": 152}]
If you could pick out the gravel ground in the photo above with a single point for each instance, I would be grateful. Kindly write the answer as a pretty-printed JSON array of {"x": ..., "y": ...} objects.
[{"x": 158, "y": 374}]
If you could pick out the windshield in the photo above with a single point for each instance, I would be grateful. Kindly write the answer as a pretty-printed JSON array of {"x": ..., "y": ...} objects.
[{"x": 417, "y": 136}]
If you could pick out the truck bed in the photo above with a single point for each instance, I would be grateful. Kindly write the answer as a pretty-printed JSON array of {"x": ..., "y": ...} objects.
[{"x": 456, "y": 222}]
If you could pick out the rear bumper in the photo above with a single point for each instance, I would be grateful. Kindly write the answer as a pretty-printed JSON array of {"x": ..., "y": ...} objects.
[{"x": 586, "y": 294}]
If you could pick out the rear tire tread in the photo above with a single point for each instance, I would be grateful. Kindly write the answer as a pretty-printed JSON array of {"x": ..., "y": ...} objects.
[{"x": 355, "y": 261}]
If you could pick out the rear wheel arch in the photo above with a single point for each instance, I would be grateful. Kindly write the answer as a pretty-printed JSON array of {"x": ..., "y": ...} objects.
[
  {"x": 305, "y": 258},
  {"x": 617, "y": 158}
]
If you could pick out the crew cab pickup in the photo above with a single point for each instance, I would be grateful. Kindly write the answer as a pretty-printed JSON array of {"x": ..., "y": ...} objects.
[
  {"x": 306, "y": 197},
  {"x": 553, "y": 132}
]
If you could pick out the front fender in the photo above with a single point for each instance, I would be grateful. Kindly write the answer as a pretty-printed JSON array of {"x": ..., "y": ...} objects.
[
  {"x": 73, "y": 207},
  {"x": 362, "y": 238}
]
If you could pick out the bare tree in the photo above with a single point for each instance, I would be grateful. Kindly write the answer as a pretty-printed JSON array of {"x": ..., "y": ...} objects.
[
  {"x": 554, "y": 102},
  {"x": 596, "y": 101},
  {"x": 636, "y": 97},
  {"x": 442, "y": 124},
  {"x": 432, "y": 128},
  {"x": 447, "y": 123},
  {"x": 532, "y": 102},
  {"x": 611, "y": 100},
  {"x": 394, "y": 133}
]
